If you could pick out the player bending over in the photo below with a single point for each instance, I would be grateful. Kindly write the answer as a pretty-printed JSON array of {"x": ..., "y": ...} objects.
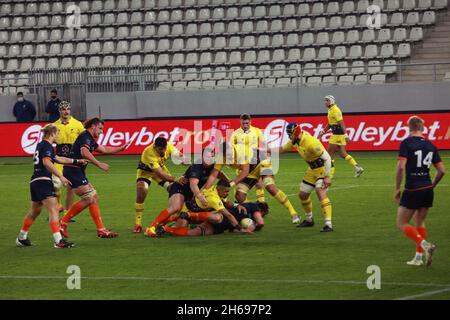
[
  {"x": 248, "y": 176},
  {"x": 42, "y": 189},
  {"x": 76, "y": 174},
  {"x": 317, "y": 177},
  {"x": 415, "y": 158},
  {"x": 255, "y": 211},
  {"x": 339, "y": 138},
  {"x": 152, "y": 166}
]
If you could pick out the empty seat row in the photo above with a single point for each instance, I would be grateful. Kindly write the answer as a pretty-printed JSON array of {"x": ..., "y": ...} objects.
[{"x": 247, "y": 9}]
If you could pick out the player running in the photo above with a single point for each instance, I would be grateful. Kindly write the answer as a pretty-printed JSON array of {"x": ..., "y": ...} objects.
[
  {"x": 248, "y": 174},
  {"x": 317, "y": 177},
  {"x": 339, "y": 138},
  {"x": 415, "y": 158},
  {"x": 82, "y": 148},
  {"x": 69, "y": 129},
  {"x": 255, "y": 211},
  {"x": 42, "y": 189},
  {"x": 152, "y": 167},
  {"x": 249, "y": 139}
]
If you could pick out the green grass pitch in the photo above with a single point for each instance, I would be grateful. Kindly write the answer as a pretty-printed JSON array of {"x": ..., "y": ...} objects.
[{"x": 280, "y": 262}]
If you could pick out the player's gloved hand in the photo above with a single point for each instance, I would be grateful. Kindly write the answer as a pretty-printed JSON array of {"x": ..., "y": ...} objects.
[
  {"x": 326, "y": 182},
  {"x": 397, "y": 195},
  {"x": 65, "y": 182},
  {"x": 103, "y": 166}
]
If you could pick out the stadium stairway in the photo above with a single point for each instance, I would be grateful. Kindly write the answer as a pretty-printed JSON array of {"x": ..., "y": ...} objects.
[{"x": 435, "y": 48}]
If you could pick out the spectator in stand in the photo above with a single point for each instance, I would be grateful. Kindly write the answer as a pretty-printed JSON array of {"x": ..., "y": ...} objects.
[
  {"x": 24, "y": 110},
  {"x": 52, "y": 107}
]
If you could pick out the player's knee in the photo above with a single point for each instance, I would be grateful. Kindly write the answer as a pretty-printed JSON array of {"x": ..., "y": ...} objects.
[
  {"x": 303, "y": 195},
  {"x": 215, "y": 218}
]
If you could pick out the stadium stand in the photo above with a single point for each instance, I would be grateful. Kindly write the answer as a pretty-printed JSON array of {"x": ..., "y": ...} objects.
[{"x": 197, "y": 44}]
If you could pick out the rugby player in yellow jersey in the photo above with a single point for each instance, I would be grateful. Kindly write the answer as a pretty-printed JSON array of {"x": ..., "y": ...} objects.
[
  {"x": 69, "y": 129},
  {"x": 318, "y": 175},
  {"x": 248, "y": 175},
  {"x": 152, "y": 167},
  {"x": 339, "y": 138},
  {"x": 249, "y": 139}
]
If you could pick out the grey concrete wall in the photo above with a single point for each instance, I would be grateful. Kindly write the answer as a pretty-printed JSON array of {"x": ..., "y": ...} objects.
[
  {"x": 7, "y": 104},
  {"x": 363, "y": 98}
]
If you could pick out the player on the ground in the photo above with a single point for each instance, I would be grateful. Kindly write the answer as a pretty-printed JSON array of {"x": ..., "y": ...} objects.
[
  {"x": 82, "y": 148},
  {"x": 249, "y": 139},
  {"x": 248, "y": 174},
  {"x": 415, "y": 159},
  {"x": 69, "y": 129},
  {"x": 317, "y": 177},
  {"x": 339, "y": 138},
  {"x": 255, "y": 211},
  {"x": 152, "y": 167},
  {"x": 214, "y": 210},
  {"x": 42, "y": 189}
]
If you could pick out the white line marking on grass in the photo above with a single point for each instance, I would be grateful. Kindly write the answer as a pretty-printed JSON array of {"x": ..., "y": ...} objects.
[
  {"x": 123, "y": 278},
  {"x": 425, "y": 294}
]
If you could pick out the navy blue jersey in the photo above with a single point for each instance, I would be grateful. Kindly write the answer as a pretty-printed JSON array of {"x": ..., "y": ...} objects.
[
  {"x": 420, "y": 154},
  {"x": 200, "y": 172},
  {"x": 85, "y": 139},
  {"x": 251, "y": 209},
  {"x": 43, "y": 150}
]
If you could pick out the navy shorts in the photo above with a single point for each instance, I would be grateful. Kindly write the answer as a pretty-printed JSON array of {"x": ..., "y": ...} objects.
[
  {"x": 222, "y": 227},
  {"x": 182, "y": 189},
  {"x": 76, "y": 176},
  {"x": 41, "y": 190},
  {"x": 417, "y": 199}
]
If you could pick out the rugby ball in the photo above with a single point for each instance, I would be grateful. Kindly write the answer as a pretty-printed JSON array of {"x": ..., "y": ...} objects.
[{"x": 247, "y": 222}]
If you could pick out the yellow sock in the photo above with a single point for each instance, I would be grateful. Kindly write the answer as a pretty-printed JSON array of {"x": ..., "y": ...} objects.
[
  {"x": 260, "y": 195},
  {"x": 307, "y": 205},
  {"x": 332, "y": 168},
  {"x": 350, "y": 160},
  {"x": 283, "y": 199},
  {"x": 326, "y": 209},
  {"x": 139, "y": 207}
]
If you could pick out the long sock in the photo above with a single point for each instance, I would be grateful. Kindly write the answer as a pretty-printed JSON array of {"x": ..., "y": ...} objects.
[
  {"x": 350, "y": 160},
  {"x": 260, "y": 195},
  {"x": 75, "y": 209},
  {"x": 177, "y": 231},
  {"x": 413, "y": 234},
  {"x": 197, "y": 217},
  {"x": 332, "y": 169},
  {"x": 423, "y": 232},
  {"x": 94, "y": 210},
  {"x": 307, "y": 206},
  {"x": 161, "y": 218},
  {"x": 54, "y": 226},
  {"x": 283, "y": 199},
  {"x": 327, "y": 210},
  {"x": 139, "y": 208},
  {"x": 26, "y": 225}
]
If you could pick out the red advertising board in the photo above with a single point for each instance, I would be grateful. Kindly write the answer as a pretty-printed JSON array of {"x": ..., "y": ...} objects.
[{"x": 366, "y": 131}]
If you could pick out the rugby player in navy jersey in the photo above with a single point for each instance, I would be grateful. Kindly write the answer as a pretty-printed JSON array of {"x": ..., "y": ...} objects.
[
  {"x": 42, "y": 189},
  {"x": 82, "y": 148},
  {"x": 415, "y": 159}
]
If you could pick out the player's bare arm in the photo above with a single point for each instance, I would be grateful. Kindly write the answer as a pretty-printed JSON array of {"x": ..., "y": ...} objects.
[
  {"x": 90, "y": 157},
  {"x": 325, "y": 130},
  {"x": 112, "y": 150},
  {"x": 228, "y": 204},
  {"x": 50, "y": 167},
  {"x": 243, "y": 173},
  {"x": 211, "y": 179},
  {"x": 327, "y": 163},
  {"x": 167, "y": 177},
  {"x": 65, "y": 160},
  {"x": 398, "y": 178},
  {"x": 440, "y": 173}
]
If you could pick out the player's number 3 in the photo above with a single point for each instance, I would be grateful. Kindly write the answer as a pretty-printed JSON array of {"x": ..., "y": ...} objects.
[{"x": 36, "y": 157}]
